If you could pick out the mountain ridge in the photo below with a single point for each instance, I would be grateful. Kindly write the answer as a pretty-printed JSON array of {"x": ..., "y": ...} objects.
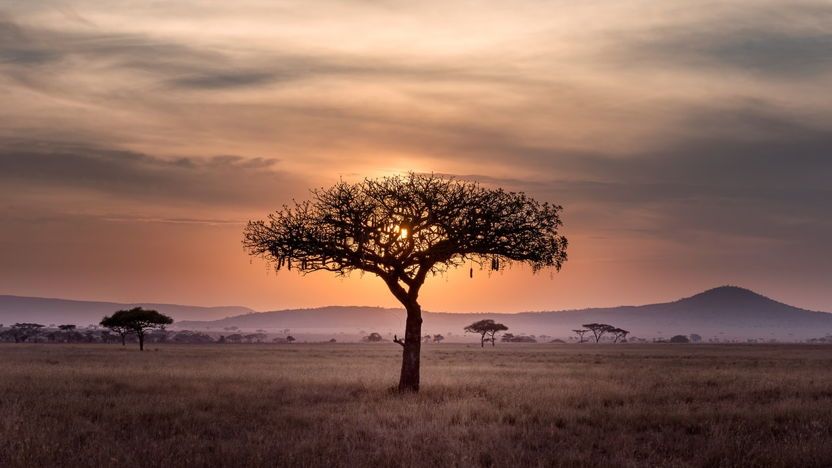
[
  {"x": 15, "y": 308},
  {"x": 721, "y": 311},
  {"x": 731, "y": 310}
]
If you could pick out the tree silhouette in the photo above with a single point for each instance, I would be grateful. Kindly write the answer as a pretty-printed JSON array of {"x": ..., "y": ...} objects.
[
  {"x": 115, "y": 324},
  {"x": 373, "y": 338},
  {"x": 438, "y": 338},
  {"x": 135, "y": 320},
  {"x": 486, "y": 328},
  {"x": 619, "y": 334},
  {"x": 404, "y": 228},
  {"x": 581, "y": 334},
  {"x": 599, "y": 329}
]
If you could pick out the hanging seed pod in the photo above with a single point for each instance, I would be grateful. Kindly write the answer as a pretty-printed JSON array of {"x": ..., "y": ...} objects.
[
  {"x": 497, "y": 263},
  {"x": 471, "y": 273},
  {"x": 289, "y": 264}
]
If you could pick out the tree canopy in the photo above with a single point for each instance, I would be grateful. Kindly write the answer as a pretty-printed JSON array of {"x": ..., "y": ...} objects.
[
  {"x": 486, "y": 328},
  {"x": 403, "y": 228},
  {"x": 136, "y": 320}
]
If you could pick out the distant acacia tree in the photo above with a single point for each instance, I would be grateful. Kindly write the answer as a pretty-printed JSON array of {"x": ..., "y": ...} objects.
[
  {"x": 599, "y": 329},
  {"x": 290, "y": 339},
  {"x": 487, "y": 329},
  {"x": 619, "y": 334},
  {"x": 373, "y": 338},
  {"x": 581, "y": 334},
  {"x": 438, "y": 338},
  {"x": 694, "y": 338},
  {"x": 66, "y": 328},
  {"x": 136, "y": 320},
  {"x": 404, "y": 228},
  {"x": 679, "y": 339}
]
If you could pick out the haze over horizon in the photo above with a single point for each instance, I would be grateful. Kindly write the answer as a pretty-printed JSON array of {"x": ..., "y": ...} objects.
[{"x": 689, "y": 146}]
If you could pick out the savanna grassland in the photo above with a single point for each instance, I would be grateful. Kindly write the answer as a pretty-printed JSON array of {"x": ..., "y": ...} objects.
[{"x": 331, "y": 405}]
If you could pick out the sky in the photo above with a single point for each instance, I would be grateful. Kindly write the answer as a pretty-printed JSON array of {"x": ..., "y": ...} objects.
[{"x": 689, "y": 142}]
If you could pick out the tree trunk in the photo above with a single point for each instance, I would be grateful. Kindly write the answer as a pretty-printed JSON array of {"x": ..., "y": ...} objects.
[
  {"x": 141, "y": 342},
  {"x": 123, "y": 339},
  {"x": 482, "y": 341},
  {"x": 409, "y": 380}
]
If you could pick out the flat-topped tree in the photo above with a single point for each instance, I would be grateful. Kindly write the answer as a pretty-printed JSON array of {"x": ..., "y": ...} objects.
[
  {"x": 599, "y": 329},
  {"x": 404, "y": 228},
  {"x": 487, "y": 329},
  {"x": 135, "y": 320}
]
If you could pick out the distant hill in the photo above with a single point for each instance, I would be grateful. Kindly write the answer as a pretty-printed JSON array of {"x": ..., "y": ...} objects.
[
  {"x": 727, "y": 312},
  {"x": 46, "y": 311}
]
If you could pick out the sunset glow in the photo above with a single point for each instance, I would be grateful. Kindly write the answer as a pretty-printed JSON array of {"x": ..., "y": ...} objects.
[{"x": 137, "y": 138}]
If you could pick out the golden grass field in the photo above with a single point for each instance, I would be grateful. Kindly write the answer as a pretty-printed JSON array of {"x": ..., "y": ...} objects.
[{"x": 330, "y": 405}]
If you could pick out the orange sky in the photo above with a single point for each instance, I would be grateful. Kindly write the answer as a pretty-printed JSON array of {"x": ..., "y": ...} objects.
[{"x": 688, "y": 145}]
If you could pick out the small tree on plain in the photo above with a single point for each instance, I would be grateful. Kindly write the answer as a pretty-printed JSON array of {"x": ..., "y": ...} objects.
[
  {"x": 619, "y": 334},
  {"x": 438, "y": 338},
  {"x": 679, "y": 339},
  {"x": 598, "y": 329},
  {"x": 290, "y": 339},
  {"x": 373, "y": 338},
  {"x": 695, "y": 338},
  {"x": 66, "y": 328},
  {"x": 404, "y": 228},
  {"x": 487, "y": 329},
  {"x": 136, "y": 320},
  {"x": 581, "y": 334}
]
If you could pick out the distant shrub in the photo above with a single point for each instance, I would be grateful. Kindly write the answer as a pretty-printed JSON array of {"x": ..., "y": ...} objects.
[
  {"x": 510, "y": 338},
  {"x": 192, "y": 337},
  {"x": 679, "y": 339},
  {"x": 372, "y": 338}
]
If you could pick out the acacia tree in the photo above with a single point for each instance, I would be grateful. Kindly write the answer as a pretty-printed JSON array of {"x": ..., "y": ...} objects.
[
  {"x": 116, "y": 326},
  {"x": 486, "y": 328},
  {"x": 619, "y": 334},
  {"x": 581, "y": 334},
  {"x": 599, "y": 329},
  {"x": 404, "y": 228},
  {"x": 136, "y": 320}
]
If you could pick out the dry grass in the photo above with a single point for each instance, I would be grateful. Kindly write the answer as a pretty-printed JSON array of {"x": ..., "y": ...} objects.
[{"x": 330, "y": 405}]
